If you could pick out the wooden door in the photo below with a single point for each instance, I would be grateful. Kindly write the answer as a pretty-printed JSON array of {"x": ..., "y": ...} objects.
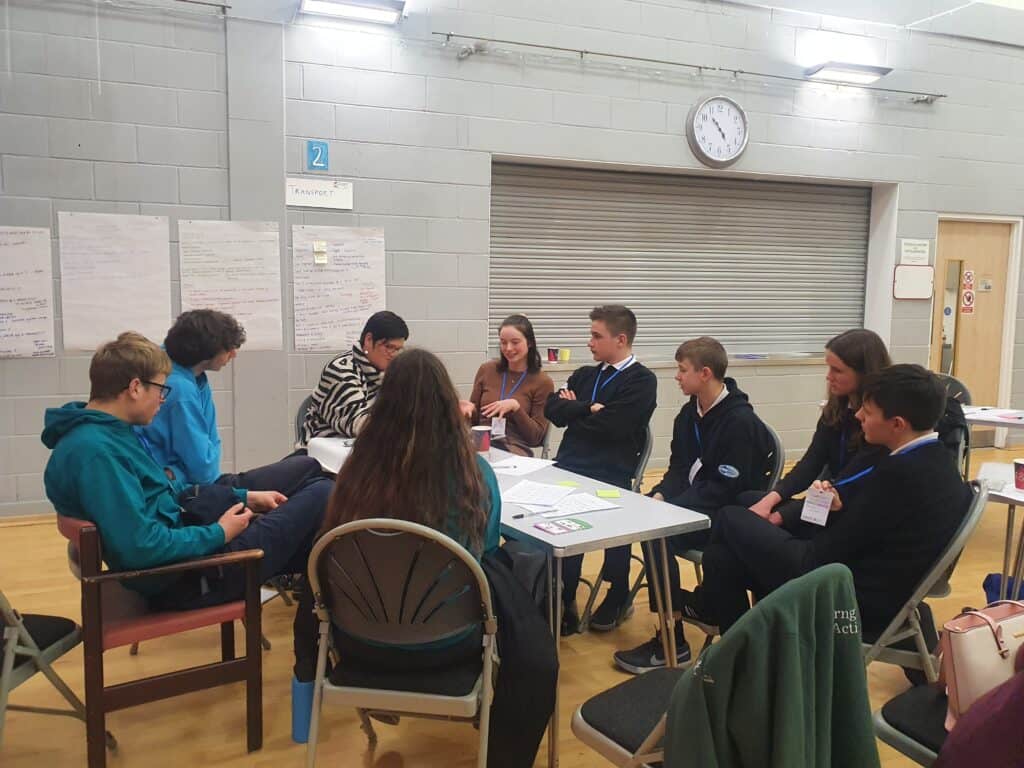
[{"x": 970, "y": 273}]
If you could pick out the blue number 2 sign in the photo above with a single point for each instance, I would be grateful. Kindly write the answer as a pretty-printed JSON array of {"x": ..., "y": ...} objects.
[{"x": 316, "y": 156}]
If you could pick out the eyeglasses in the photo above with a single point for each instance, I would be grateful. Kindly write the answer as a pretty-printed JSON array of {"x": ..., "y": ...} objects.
[
  {"x": 392, "y": 349},
  {"x": 164, "y": 389}
]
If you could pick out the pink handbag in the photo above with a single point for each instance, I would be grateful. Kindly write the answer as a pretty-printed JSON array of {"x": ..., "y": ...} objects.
[{"x": 978, "y": 651}]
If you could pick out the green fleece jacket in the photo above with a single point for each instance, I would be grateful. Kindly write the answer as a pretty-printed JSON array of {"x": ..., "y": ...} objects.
[
  {"x": 784, "y": 688},
  {"x": 99, "y": 471}
]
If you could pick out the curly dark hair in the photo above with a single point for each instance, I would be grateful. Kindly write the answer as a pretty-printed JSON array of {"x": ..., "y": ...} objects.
[{"x": 202, "y": 334}]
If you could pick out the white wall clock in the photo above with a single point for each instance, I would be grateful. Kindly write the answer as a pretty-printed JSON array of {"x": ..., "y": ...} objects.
[{"x": 717, "y": 131}]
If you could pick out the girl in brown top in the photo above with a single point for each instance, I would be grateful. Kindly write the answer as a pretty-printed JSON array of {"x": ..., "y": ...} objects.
[{"x": 510, "y": 392}]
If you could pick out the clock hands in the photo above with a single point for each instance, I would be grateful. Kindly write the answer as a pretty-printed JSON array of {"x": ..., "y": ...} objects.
[{"x": 713, "y": 120}]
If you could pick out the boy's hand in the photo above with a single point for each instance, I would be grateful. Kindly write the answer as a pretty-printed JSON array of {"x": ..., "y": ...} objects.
[
  {"x": 264, "y": 501},
  {"x": 234, "y": 521}
]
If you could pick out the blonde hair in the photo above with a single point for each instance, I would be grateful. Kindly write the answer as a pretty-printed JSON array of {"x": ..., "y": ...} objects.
[{"x": 130, "y": 356}]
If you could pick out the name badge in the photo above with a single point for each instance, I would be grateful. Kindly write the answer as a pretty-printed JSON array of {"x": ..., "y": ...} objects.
[
  {"x": 816, "y": 506},
  {"x": 498, "y": 427},
  {"x": 694, "y": 469}
]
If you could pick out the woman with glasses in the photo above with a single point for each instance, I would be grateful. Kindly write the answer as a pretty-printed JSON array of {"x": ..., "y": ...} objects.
[
  {"x": 350, "y": 382},
  {"x": 509, "y": 393}
]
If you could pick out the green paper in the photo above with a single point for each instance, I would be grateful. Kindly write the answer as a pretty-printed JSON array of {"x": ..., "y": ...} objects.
[
  {"x": 609, "y": 493},
  {"x": 569, "y": 484}
]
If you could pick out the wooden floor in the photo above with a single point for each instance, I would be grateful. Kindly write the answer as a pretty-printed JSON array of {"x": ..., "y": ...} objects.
[{"x": 207, "y": 728}]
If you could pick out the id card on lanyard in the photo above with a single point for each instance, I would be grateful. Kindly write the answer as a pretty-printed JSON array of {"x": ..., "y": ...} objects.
[{"x": 499, "y": 423}]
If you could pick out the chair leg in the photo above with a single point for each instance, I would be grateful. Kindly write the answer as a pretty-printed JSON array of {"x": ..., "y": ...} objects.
[
  {"x": 95, "y": 715},
  {"x": 227, "y": 641},
  {"x": 367, "y": 725},
  {"x": 133, "y": 650},
  {"x": 594, "y": 589},
  {"x": 254, "y": 657},
  {"x": 318, "y": 697},
  {"x": 699, "y": 572},
  {"x": 10, "y": 639},
  {"x": 264, "y": 643}
]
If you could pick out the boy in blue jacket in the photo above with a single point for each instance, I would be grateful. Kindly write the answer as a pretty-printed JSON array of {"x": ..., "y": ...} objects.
[
  {"x": 100, "y": 471},
  {"x": 183, "y": 438},
  {"x": 720, "y": 448}
]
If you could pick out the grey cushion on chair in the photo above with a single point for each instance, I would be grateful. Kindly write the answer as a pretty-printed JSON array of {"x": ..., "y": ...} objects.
[
  {"x": 627, "y": 713},
  {"x": 919, "y": 714}
]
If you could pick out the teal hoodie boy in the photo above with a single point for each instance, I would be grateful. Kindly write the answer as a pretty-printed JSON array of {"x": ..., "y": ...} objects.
[{"x": 99, "y": 471}]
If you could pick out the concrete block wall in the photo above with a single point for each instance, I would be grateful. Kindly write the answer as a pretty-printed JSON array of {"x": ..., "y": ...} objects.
[
  {"x": 417, "y": 129},
  {"x": 141, "y": 130}
]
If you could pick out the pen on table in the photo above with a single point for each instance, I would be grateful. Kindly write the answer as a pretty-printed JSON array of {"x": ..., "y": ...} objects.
[{"x": 521, "y": 515}]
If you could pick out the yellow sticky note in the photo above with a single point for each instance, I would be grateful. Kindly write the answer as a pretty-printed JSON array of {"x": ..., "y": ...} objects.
[
  {"x": 608, "y": 493},
  {"x": 569, "y": 484}
]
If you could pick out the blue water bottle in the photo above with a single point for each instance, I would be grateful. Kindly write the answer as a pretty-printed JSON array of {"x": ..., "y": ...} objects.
[{"x": 302, "y": 710}]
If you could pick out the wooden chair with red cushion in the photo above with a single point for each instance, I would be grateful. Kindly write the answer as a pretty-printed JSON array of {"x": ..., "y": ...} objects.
[{"x": 113, "y": 616}]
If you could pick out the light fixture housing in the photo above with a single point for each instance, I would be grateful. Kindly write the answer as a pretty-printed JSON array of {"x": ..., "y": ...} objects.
[
  {"x": 840, "y": 72},
  {"x": 374, "y": 11}
]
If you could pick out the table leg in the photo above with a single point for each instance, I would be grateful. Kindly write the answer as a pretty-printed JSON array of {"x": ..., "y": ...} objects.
[
  {"x": 670, "y": 629},
  {"x": 556, "y": 629},
  {"x": 1018, "y": 566},
  {"x": 1011, "y": 512},
  {"x": 654, "y": 584}
]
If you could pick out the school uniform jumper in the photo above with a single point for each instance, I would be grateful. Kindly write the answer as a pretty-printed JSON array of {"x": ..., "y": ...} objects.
[
  {"x": 605, "y": 445},
  {"x": 889, "y": 532},
  {"x": 715, "y": 456}
]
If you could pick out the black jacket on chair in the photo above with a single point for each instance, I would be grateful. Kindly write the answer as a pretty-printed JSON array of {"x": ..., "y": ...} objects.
[{"x": 524, "y": 696}]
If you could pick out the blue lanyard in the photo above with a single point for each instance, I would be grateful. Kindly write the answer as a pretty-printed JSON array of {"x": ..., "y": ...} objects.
[
  {"x": 869, "y": 470},
  {"x": 148, "y": 446},
  {"x": 504, "y": 379},
  {"x": 696, "y": 433},
  {"x": 593, "y": 395}
]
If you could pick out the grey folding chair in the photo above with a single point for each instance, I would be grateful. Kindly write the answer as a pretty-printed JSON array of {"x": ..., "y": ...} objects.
[
  {"x": 906, "y": 625},
  {"x": 31, "y": 643},
  {"x": 300, "y": 417},
  {"x": 385, "y": 582},
  {"x": 959, "y": 391},
  {"x": 638, "y": 478},
  {"x": 545, "y": 445}
]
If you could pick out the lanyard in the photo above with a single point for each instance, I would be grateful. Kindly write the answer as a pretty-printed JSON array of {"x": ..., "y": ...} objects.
[
  {"x": 696, "y": 433},
  {"x": 148, "y": 446},
  {"x": 607, "y": 381},
  {"x": 504, "y": 379},
  {"x": 869, "y": 470}
]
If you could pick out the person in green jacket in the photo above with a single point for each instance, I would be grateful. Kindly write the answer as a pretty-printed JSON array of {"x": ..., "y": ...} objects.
[
  {"x": 785, "y": 687},
  {"x": 100, "y": 471}
]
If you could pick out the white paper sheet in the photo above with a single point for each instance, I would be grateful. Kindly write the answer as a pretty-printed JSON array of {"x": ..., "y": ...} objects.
[
  {"x": 115, "y": 274},
  {"x": 234, "y": 267},
  {"x": 331, "y": 452},
  {"x": 519, "y": 465},
  {"x": 338, "y": 275},
  {"x": 579, "y": 503},
  {"x": 537, "y": 494},
  {"x": 26, "y": 292}
]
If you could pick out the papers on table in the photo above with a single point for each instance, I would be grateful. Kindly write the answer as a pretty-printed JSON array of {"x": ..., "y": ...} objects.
[
  {"x": 331, "y": 452},
  {"x": 577, "y": 504},
  {"x": 537, "y": 494},
  {"x": 519, "y": 465}
]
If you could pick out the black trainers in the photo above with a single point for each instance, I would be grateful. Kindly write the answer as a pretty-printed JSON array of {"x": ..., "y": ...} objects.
[
  {"x": 610, "y": 613},
  {"x": 570, "y": 620},
  {"x": 651, "y": 655},
  {"x": 692, "y": 614}
]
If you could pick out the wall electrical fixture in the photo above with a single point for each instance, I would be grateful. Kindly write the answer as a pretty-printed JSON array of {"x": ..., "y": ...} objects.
[
  {"x": 659, "y": 68},
  {"x": 839, "y": 72},
  {"x": 375, "y": 11}
]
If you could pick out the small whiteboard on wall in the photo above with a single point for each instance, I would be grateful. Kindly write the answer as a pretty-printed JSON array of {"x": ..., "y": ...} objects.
[
  {"x": 338, "y": 275},
  {"x": 26, "y": 292},
  {"x": 115, "y": 272},
  {"x": 913, "y": 282},
  {"x": 234, "y": 267}
]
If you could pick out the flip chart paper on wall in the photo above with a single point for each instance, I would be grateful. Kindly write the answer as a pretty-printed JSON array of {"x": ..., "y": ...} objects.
[
  {"x": 115, "y": 276},
  {"x": 334, "y": 295},
  {"x": 912, "y": 282},
  {"x": 234, "y": 267},
  {"x": 26, "y": 292}
]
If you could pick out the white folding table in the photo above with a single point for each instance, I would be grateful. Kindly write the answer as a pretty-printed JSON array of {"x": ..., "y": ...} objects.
[
  {"x": 991, "y": 416},
  {"x": 638, "y": 518},
  {"x": 999, "y": 477}
]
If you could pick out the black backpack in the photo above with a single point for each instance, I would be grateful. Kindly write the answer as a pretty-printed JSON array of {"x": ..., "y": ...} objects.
[{"x": 953, "y": 431}]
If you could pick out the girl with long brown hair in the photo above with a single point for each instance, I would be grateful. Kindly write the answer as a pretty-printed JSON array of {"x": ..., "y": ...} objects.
[{"x": 838, "y": 439}]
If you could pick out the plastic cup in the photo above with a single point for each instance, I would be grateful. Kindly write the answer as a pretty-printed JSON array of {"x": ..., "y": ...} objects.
[
  {"x": 1018, "y": 474},
  {"x": 552, "y": 354},
  {"x": 482, "y": 439},
  {"x": 563, "y": 355}
]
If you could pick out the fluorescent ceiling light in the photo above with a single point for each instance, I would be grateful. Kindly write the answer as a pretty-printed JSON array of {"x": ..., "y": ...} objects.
[
  {"x": 377, "y": 11},
  {"x": 838, "y": 72}
]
